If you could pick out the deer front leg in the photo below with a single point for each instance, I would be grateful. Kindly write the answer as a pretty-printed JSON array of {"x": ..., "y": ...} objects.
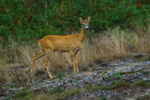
[
  {"x": 46, "y": 66},
  {"x": 34, "y": 58},
  {"x": 77, "y": 70},
  {"x": 76, "y": 60},
  {"x": 76, "y": 64},
  {"x": 73, "y": 61}
]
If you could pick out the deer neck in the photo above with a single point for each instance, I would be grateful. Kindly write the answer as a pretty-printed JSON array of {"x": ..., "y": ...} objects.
[{"x": 82, "y": 34}]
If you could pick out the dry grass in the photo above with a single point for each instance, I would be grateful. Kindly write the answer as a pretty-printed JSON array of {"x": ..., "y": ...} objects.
[{"x": 111, "y": 44}]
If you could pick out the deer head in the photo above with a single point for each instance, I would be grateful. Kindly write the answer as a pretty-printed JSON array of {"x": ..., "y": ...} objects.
[{"x": 85, "y": 23}]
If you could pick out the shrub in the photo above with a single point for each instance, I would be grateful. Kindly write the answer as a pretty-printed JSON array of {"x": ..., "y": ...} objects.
[{"x": 26, "y": 19}]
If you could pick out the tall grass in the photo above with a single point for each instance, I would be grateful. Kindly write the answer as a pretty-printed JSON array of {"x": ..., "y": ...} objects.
[{"x": 112, "y": 44}]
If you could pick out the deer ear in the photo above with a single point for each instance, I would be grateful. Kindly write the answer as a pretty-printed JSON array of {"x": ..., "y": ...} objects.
[
  {"x": 89, "y": 18},
  {"x": 80, "y": 19}
]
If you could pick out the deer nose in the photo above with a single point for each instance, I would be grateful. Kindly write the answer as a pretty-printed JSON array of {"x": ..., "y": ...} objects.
[{"x": 86, "y": 28}]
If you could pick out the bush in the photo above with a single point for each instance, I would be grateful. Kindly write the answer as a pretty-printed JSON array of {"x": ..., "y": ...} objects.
[{"x": 33, "y": 19}]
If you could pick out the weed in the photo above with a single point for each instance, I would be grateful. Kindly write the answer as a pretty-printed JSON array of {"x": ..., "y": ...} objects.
[{"x": 60, "y": 75}]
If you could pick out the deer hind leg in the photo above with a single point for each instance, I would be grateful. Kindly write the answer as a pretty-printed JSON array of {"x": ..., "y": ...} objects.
[
  {"x": 48, "y": 54},
  {"x": 34, "y": 58}
]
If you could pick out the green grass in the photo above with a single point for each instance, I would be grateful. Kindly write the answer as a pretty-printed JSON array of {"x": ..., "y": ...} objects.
[
  {"x": 56, "y": 90},
  {"x": 118, "y": 75},
  {"x": 66, "y": 94},
  {"x": 115, "y": 85},
  {"x": 59, "y": 75},
  {"x": 104, "y": 72},
  {"x": 21, "y": 94},
  {"x": 142, "y": 83}
]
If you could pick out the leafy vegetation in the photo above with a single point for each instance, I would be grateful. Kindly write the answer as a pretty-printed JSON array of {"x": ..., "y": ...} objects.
[{"x": 26, "y": 19}]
